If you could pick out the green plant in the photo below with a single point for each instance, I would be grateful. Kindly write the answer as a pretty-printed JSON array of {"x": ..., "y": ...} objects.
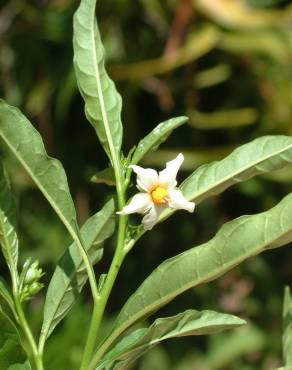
[{"x": 236, "y": 241}]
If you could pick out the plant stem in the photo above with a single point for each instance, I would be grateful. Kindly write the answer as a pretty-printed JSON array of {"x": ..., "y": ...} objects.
[
  {"x": 36, "y": 356},
  {"x": 101, "y": 301},
  {"x": 20, "y": 317},
  {"x": 103, "y": 298}
]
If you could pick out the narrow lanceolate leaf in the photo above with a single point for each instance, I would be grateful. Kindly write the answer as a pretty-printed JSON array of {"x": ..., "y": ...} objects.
[
  {"x": 260, "y": 156},
  {"x": 235, "y": 242},
  {"x": 25, "y": 143},
  {"x": 11, "y": 352},
  {"x": 287, "y": 337},
  {"x": 70, "y": 274},
  {"x": 187, "y": 323},
  {"x": 8, "y": 236},
  {"x": 102, "y": 101},
  {"x": 156, "y": 137}
]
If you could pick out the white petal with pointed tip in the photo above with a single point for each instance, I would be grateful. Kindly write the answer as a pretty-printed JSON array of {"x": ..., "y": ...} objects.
[
  {"x": 178, "y": 201},
  {"x": 168, "y": 175},
  {"x": 140, "y": 203},
  {"x": 147, "y": 178},
  {"x": 151, "y": 218}
]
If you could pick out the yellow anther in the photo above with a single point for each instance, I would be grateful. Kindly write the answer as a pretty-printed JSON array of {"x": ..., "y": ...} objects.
[{"x": 159, "y": 195}]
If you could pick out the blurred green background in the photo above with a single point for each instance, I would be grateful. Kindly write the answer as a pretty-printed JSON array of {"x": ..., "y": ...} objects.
[{"x": 227, "y": 64}]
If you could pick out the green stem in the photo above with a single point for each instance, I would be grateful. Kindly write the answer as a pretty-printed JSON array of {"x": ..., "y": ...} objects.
[
  {"x": 35, "y": 355},
  {"x": 106, "y": 290},
  {"x": 98, "y": 310},
  {"x": 101, "y": 301},
  {"x": 20, "y": 317},
  {"x": 108, "y": 342}
]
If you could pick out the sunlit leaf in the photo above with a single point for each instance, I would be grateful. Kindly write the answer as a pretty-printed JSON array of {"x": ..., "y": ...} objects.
[
  {"x": 11, "y": 351},
  {"x": 157, "y": 136},
  {"x": 8, "y": 236},
  {"x": 25, "y": 144},
  {"x": 236, "y": 241},
  {"x": 188, "y": 323},
  {"x": 287, "y": 336},
  {"x": 260, "y": 156},
  {"x": 70, "y": 274},
  {"x": 102, "y": 101}
]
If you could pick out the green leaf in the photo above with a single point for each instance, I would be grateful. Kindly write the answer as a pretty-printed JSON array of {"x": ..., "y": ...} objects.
[
  {"x": 287, "y": 336},
  {"x": 236, "y": 241},
  {"x": 156, "y": 137},
  {"x": 11, "y": 351},
  {"x": 187, "y": 323},
  {"x": 8, "y": 236},
  {"x": 106, "y": 176},
  {"x": 70, "y": 274},
  {"x": 5, "y": 293},
  {"x": 25, "y": 143},
  {"x": 102, "y": 101},
  {"x": 25, "y": 366},
  {"x": 260, "y": 156}
]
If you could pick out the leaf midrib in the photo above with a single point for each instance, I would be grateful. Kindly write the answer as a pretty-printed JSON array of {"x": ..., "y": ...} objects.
[
  {"x": 199, "y": 193},
  {"x": 99, "y": 91},
  {"x": 243, "y": 170},
  {"x": 43, "y": 190}
]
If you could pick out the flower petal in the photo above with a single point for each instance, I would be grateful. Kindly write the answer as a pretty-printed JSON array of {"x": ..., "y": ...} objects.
[
  {"x": 140, "y": 203},
  {"x": 151, "y": 218},
  {"x": 178, "y": 201},
  {"x": 146, "y": 177},
  {"x": 168, "y": 175}
]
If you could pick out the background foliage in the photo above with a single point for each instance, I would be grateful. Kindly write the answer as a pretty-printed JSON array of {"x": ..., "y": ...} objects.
[{"x": 226, "y": 65}]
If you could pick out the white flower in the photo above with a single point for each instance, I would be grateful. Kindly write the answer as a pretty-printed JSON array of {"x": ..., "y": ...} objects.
[{"x": 158, "y": 191}]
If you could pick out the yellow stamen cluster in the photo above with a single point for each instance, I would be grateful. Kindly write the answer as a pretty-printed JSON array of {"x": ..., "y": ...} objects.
[{"x": 159, "y": 195}]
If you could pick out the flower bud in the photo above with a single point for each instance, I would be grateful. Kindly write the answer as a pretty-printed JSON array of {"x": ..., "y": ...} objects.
[
  {"x": 34, "y": 273},
  {"x": 29, "y": 280}
]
